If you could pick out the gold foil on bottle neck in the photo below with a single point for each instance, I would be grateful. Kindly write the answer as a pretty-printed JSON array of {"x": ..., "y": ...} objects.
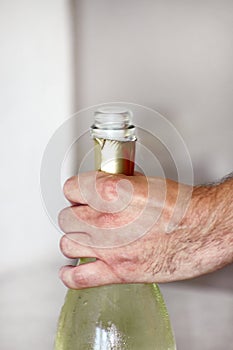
[{"x": 114, "y": 157}]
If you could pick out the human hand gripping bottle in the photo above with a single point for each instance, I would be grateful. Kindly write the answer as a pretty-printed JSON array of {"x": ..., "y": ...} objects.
[{"x": 119, "y": 316}]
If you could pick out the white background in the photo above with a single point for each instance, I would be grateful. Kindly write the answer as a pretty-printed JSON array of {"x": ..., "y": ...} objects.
[{"x": 59, "y": 56}]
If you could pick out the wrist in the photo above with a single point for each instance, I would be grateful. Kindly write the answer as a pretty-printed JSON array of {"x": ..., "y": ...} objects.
[
  {"x": 210, "y": 222},
  {"x": 192, "y": 242}
]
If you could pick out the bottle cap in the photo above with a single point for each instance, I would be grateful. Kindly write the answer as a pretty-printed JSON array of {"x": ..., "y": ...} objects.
[{"x": 113, "y": 123}]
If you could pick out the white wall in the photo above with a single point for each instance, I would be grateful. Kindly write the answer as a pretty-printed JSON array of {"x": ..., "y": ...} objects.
[
  {"x": 174, "y": 56},
  {"x": 36, "y": 96}
]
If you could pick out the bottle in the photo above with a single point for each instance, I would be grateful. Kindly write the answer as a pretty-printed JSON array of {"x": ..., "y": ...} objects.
[{"x": 121, "y": 316}]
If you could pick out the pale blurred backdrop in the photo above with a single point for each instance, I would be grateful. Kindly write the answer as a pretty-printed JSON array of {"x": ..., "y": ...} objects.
[{"x": 59, "y": 56}]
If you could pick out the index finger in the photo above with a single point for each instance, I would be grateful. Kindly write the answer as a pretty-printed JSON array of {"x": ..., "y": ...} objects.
[
  {"x": 81, "y": 188},
  {"x": 72, "y": 191}
]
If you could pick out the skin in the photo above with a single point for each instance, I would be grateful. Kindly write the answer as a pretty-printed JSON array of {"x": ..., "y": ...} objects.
[{"x": 190, "y": 235}]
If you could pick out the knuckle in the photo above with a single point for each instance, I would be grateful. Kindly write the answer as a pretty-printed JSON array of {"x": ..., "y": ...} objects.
[
  {"x": 106, "y": 220},
  {"x": 108, "y": 187}
]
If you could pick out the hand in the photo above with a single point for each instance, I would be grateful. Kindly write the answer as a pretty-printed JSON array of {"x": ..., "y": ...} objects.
[{"x": 164, "y": 245}]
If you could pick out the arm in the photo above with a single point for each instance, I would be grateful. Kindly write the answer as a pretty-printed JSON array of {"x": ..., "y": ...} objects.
[
  {"x": 212, "y": 210},
  {"x": 200, "y": 242}
]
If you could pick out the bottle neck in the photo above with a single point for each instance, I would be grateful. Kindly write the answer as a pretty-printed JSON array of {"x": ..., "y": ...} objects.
[{"x": 114, "y": 139}]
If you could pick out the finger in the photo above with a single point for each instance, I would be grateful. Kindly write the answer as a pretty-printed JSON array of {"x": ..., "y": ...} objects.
[
  {"x": 98, "y": 189},
  {"x": 90, "y": 228},
  {"x": 81, "y": 188},
  {"x": 72, "y": 191},
  {"x": 72, "y": 222},
  {"x": 88, "y": 275},
  {"x": 69, "y": 222},
  {"x": 86, "y": 219},
  {"x": 101, "y": 230},
  {"x": 72, "y": 249}
]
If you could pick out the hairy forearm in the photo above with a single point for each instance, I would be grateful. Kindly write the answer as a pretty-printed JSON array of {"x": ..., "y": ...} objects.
[{"x": 203, "y": 242}]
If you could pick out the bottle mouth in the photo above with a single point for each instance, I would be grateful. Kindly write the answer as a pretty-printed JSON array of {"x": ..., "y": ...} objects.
[
  {"x": 113, "y": 122},
  {"x": 112, "y": 118}
]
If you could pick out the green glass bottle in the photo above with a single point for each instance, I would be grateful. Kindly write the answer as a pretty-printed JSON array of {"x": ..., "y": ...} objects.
[{"x": 121, "y": 316}]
